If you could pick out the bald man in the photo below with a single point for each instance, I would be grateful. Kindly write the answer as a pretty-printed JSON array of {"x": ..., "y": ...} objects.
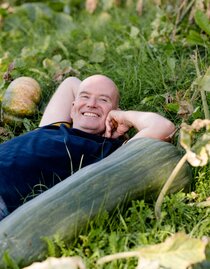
[{"x": 81, "y": 125}]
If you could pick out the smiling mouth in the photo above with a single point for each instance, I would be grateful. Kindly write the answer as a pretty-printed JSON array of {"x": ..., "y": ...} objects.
[{"x": 90, "y": 114}]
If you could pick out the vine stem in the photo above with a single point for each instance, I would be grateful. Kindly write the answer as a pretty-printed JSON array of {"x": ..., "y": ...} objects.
[
  {"x": 201, "y": 204},
  {"x": 205, "y": 105},
  {"x": 167, "y": 186},
  {"x": 120, "y": 255},
  {"x": 203, "y": 95}
]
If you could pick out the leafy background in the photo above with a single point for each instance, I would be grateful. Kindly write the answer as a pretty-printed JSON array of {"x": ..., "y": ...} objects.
[{"x": 153, "y": 53}]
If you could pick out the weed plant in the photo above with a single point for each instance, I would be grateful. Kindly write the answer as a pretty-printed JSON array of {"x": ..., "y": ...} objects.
[{"x": 151, "y": 76}]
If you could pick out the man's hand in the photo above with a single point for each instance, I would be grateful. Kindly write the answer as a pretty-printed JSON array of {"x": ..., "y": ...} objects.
[{"x": 116, "y": 124}]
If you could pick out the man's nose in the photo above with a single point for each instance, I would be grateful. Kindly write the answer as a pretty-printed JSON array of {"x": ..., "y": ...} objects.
[{"x": 92, "y": 102}]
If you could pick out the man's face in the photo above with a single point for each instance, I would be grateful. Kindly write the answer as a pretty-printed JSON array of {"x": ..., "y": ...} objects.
[{"x": 97, "y": 96}]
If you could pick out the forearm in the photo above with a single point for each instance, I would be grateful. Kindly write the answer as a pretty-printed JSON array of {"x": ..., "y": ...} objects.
[
  {"x": 149, "y": 124},
  {"x": 59, "y": 107}
]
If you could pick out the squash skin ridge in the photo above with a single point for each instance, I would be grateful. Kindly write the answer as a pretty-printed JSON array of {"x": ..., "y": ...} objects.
[{"x": 67, "y": 207}]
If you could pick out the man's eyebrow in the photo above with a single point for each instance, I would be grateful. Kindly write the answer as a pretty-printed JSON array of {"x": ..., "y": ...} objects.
[
  {"x": 100, "y": 95},
  {"x": 105, "y": 95},
  {"x": 84, "y": 92}
]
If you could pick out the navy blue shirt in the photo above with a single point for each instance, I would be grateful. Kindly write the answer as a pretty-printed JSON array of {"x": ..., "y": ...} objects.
[{"x": 41, "y": 158}]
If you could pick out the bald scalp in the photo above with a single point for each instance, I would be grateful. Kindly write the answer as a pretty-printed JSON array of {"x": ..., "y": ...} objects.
[{"x": 101, "y": 80}]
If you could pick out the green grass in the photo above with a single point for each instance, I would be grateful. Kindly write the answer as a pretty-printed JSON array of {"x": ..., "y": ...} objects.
[
  {"x": 145, "y": 72},
  {"x": 134, "y": 227}
]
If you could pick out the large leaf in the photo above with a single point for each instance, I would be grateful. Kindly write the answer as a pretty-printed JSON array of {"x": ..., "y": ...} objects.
[
  {"x": 94, "y": 51},
  {"x": 98, "y": 53},
  {"x": 178, "y": 251},
  {"x": 202, "y": 21},
  {"x": 39, "y": 18},
  {"x": 205, "y": 81},
  {"x": 63, "y": 23},
  {"x": 85, "y": 47},
  {"x": 61, "y": 263},
  {"x": 198, "y": 153},
  {"x": 196, "y": 38}
]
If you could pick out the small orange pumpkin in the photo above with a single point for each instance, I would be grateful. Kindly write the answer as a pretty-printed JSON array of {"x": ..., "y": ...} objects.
[{"x": 20, "y": 99}]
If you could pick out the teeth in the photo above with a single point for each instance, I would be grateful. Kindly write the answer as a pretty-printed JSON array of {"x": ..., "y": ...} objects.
[{"x": 89, "y": 114}]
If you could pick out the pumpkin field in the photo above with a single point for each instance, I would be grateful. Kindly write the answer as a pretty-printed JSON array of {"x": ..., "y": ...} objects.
[{"x": 158, "y": 54}]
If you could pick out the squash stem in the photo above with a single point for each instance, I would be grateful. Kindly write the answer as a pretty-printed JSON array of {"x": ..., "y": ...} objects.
[{"x": 167, "y": 186}]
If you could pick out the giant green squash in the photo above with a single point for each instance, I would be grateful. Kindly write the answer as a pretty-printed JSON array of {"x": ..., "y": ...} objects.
[{"x": 136, "y": 170}]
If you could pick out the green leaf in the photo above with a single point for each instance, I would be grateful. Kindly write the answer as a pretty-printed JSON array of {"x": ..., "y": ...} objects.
[
  {"x": 122, "y": 48},
  {"x": 79, "y": 64},
  {"x": 172, "y": 107},
  {"x": 205, "y": 81},
  {"x": 107, "y": 4},
  {"x": 202, "y": 21},
  {"x": 195, "y": 38},
  {"x": 134, "y": 32},
  {"x": 197, "y": 113},
  {"x": 171, "y": 63},
  {"x": 98, "y": 53},
  {"x": 3, "y": 12},
  {"x": 85, "y": 47},
  {"x": 34, "y": 11},
  {"x": 148, "y": 100},
  {"x": 57, "y": 58},
  {"x": 186, "y": 136},
  {"x": 63, "y": 23}
]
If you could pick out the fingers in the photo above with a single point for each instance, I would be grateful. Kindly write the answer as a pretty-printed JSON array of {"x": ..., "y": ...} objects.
[
  {"x": 110, "y": 126},
  {"x": 115, "y": 126}
]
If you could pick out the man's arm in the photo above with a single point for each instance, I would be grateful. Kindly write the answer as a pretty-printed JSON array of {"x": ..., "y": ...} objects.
[
  {"x": 60, "y": 105},
  {"x": 148, "y": 124}
]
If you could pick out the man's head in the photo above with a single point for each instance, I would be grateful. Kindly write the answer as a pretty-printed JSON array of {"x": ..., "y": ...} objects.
[{"x": 97, "y": 95}]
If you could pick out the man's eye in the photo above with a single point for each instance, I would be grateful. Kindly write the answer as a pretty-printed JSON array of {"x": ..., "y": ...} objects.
[
  {"x": 104, "y": 100},
  {"x": 84, "y": 96}
]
